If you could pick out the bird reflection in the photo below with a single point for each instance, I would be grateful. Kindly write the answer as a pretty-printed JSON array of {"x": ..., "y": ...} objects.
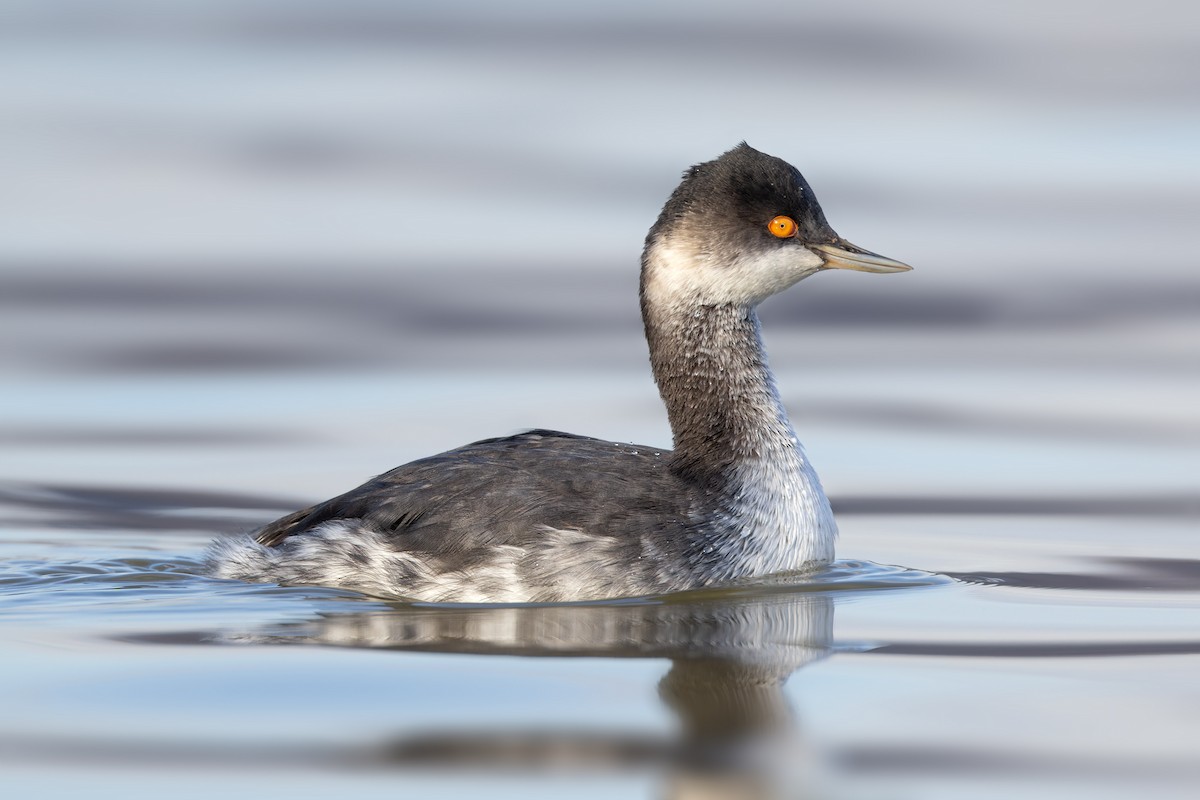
[{"x": 730, "y": 654}]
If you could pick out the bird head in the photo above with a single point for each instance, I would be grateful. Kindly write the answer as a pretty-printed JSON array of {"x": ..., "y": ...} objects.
[{"x": 740, "y": 228}]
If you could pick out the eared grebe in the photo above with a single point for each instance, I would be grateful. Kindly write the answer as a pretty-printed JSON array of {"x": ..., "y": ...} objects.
[{"x": 545, "y": 516}]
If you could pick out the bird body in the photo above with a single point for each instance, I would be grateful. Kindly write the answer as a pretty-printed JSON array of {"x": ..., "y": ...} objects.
[{"x": 545, "y": 516}]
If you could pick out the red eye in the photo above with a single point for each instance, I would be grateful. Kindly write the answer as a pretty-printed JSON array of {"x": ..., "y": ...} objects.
[{"x": 783, "y": 227}]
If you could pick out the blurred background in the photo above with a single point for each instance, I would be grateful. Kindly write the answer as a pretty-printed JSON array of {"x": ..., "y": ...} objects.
[
  {"x": 254, "y": 251},
  {"x": 235, "y": 190},
  {"x": 345, "y": 197}
]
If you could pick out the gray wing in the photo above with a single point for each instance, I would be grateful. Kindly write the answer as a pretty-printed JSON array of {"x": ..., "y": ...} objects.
[{"x": 509, "y": 491}]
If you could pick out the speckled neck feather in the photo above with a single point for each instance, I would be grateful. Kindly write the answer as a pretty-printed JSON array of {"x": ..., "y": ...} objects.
[{"x": 720, "y": 395}]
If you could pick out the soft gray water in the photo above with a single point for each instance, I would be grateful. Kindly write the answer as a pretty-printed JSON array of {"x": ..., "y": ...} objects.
[{"x": 254, "y": 252}]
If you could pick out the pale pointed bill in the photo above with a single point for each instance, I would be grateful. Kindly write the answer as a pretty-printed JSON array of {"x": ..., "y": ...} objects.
[{"x": 844, "y": 255}]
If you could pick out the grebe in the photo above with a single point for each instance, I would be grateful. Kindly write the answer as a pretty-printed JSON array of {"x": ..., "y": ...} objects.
[{"x": 545, "y": 516}]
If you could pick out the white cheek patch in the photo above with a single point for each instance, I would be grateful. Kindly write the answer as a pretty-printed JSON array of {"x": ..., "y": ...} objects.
[
  {"x": 679, "y": 269},
  {"x": 765, "y": 274}
]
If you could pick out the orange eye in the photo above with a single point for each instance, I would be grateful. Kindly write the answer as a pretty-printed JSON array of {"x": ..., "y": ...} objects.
[{"x": 783, "y": 227}]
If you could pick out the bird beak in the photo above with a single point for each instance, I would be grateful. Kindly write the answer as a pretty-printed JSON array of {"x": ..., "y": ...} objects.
[{"x": 843, "y": 255}]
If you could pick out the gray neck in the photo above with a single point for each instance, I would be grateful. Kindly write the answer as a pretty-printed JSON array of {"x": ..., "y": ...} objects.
[
  {"x": 721, "y": 399},
  {"x": 733, "y": 442},
  {"x": 757, "y": 501}
]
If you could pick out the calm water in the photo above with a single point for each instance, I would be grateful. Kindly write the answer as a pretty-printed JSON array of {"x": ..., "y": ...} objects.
[
  {"x": 992, "y": 645},
  {"x": 252, "y": 253}
]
